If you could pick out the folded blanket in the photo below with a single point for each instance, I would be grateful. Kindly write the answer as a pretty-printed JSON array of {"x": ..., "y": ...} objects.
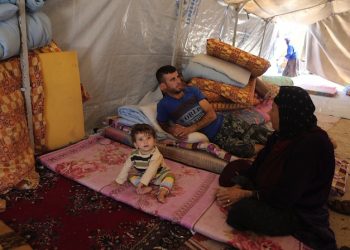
[
  {"x": 39, "y": 34},
  {"x": 9, "y": 38},
  {"x": 231, "y": 70},
  {"x": 136, "y": 114},
  {"x": 194, "y": 69},
  {"x": 7, "y": 11},
  {"x": 31, "y": 5}
]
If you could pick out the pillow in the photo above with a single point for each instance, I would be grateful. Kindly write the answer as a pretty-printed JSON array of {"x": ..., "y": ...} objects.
[
  {"x": 152, "y": 96},
  {"x": 194, "y": 69},
  {"x": 256, "y": 65},
  {"x": 7, "y": 10},
  {"x": 278, "y": 80},
  {"x": 238, "y": 95},
  {"x": 213, "y": 97},
  {"x": 150, "y": 111},
  {"x": 224, "y": 106},
  {"x": 231, "y": 70}
]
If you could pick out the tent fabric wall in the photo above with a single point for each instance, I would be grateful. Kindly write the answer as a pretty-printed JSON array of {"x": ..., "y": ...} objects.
[
  {"x": 306, "y": 12},
  {"x": 328, "y": 49},
  {"x": 120, "y": 45},
  {"x": 214, "y": 20}
]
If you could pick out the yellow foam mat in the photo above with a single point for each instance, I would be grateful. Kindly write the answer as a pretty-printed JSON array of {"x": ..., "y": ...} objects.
[{"x": 63, "y": 103}]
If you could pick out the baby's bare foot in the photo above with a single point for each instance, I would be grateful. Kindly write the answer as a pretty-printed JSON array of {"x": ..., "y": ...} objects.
[
  {"x": 161, "y": 196},
  {"x": 145, "y": 190}
]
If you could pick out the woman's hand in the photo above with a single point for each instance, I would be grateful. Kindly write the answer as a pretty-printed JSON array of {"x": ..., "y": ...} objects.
[{"x": 227, "y": 196}]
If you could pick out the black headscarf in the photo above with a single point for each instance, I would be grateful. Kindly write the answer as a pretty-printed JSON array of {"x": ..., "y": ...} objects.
[{"x": 296, "y": 111}]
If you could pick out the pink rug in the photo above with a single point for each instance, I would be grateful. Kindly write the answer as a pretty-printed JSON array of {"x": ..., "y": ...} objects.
[{"x": 96, "y": 161}]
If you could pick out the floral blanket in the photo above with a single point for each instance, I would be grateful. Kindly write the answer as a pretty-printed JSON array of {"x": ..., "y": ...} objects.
[{"x": 96, "y": 162}]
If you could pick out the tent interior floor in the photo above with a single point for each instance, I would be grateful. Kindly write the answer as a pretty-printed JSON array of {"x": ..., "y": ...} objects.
[
  {"x": 340, "y": 223},
  {"x": 339, "y": 130}
]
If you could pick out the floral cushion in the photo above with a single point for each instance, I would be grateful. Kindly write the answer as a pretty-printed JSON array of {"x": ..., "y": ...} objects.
[
  {"x": 237, "y": 95},
  {"x": 256, "y": 65},
  {"x": 16, "y": 154},
  {"x": 224, "y": 106},
  {"x": 214, "y": 97}
]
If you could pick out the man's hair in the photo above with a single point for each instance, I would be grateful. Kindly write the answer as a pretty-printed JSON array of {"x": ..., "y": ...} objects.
[
  {"x": 142, "y": 128},
  {"x": 167, "y": 69}
]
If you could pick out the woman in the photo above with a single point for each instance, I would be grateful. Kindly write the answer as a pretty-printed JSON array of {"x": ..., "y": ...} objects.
[{"x": 285, "y": 190}]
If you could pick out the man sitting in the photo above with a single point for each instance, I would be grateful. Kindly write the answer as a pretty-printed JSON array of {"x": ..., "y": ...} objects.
[{"x": 184, "y": 110}]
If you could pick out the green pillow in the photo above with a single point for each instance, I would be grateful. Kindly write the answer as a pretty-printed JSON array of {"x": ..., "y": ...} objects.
[{"x": 278, "y": 80}]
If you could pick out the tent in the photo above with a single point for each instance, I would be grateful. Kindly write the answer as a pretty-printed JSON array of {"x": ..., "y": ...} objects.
[{"x": 120, "y": 44}]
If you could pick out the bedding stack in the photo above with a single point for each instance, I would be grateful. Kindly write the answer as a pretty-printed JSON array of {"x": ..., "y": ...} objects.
[
  {"x": 226, "y": 75},
  {"x": 39, "y": 31},
  {"x": 17, "y": 164}
]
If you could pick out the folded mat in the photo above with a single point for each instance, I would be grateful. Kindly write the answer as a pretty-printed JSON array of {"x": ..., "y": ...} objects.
[
  {"x": 194, "y": 158},
  {"x": 255, "y": 64},
  {"x": 210, "y": 157},
  {"x": 231, "y": 70},
  {"x": 96, "y": 161},
  {"x": 63, "y": 110}
]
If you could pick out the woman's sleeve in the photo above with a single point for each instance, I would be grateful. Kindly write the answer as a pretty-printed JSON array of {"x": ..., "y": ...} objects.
[{"x": 303, "y": 167}]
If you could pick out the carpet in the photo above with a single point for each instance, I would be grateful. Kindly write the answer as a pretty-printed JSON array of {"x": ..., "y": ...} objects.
[
  {"x": 96, "y": 161},
  {"x": 62, "y": 214}
]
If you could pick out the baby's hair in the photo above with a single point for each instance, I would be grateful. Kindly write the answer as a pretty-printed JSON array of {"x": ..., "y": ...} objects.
[{"x": 142, "y": 128}]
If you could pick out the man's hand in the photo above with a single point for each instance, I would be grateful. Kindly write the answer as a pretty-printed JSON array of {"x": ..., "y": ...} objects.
[{"x": 180, "y": 131}]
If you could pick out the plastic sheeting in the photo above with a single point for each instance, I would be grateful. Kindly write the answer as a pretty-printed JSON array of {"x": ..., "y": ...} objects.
[
  {"x": 306, "y": 12},
  {"x": 210, "y": 19},
  {"x": 328, "y": 50},
  {"x": 120, "y": 45}
]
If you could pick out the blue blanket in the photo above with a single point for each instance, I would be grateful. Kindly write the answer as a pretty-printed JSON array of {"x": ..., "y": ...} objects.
[
  {"x": 39, "y": 34},
  {"x": 31, "y": 5}
]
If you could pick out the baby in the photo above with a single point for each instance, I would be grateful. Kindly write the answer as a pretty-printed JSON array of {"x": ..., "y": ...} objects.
[{"x": 146, "y": 164}]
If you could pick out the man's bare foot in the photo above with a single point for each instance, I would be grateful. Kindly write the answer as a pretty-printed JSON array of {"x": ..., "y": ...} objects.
[
  {"x": 161, "y": 196},
  {"x": 145, "y": 190}
]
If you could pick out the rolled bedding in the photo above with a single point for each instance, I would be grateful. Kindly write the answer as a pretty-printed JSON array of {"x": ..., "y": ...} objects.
[
  {"x": 39, "y": 34},
  {"x": 31, "y": 5}
]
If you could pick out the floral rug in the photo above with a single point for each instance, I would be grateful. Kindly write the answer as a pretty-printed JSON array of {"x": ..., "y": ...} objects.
[{"x": 96, "y": 161}]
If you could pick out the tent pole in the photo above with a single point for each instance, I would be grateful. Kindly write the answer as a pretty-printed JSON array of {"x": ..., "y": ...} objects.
[
  {"x": 177, "y": 31},
  {"x": 25, "y": 68},
  {"x": 238, "y": 7},
  {"x": 263, "y": 36}
]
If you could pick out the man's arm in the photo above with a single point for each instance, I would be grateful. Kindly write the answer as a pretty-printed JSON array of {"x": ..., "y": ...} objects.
[{"x": 210, "y": 115}]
